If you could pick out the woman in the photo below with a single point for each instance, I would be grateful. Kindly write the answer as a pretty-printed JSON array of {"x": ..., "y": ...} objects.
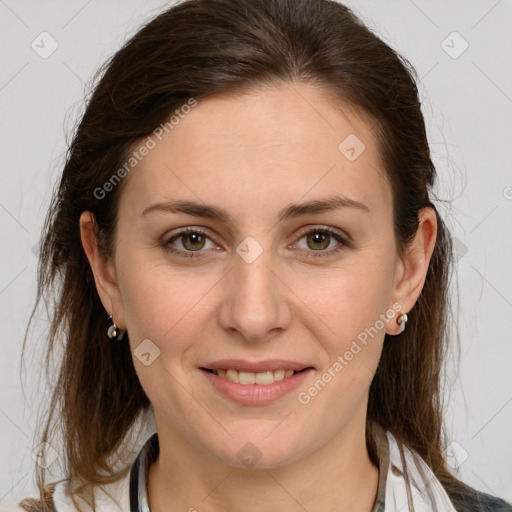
[{"x": 247, "y": 201}]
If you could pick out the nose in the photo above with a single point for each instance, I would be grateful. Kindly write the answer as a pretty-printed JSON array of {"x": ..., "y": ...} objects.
[{"x": 256, "y": 302}]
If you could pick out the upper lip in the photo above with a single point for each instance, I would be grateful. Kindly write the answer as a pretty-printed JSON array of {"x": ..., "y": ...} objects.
[{"x": 255, "y": 366}]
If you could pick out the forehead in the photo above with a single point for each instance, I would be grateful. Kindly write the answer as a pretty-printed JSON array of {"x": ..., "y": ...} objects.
[{"x": 258, "y": 151}]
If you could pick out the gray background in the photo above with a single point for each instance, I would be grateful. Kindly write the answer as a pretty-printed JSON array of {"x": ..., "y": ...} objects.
[{"x": 467, "y": 101}]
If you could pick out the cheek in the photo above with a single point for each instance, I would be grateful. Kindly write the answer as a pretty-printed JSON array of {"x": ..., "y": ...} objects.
[
  {"x": 164, "y": 303},
  {"x": 161, "y": 303},
  {"x": 352, "y": 306},
  {"x": 351, "y": 299}
]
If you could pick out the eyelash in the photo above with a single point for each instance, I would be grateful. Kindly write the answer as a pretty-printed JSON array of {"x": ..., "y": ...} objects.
[{"x": 320, "y": 253}]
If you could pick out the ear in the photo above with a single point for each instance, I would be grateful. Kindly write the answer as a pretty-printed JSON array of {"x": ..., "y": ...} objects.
[
  {"x": 103, "y": 270},
  {"x": 411, "y": 270}
]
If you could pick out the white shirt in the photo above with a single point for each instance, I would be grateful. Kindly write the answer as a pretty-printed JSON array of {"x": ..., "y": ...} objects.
[{"x": 415, "y": 489}]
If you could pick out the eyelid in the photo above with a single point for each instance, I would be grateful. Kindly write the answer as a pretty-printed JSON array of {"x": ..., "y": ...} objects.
[
  {"x": 320, "y": 227},
  {"x": 176, "y": 234}
]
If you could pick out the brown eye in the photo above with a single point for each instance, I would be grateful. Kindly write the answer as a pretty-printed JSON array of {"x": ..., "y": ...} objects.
[
  {"x": 188, "y": 243},
  {"x": 192, "y": 241},
  {"x": 318, "y": 240}
]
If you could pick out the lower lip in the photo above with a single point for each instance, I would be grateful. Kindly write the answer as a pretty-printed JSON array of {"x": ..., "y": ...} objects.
[{"x": 256, "y": 394}]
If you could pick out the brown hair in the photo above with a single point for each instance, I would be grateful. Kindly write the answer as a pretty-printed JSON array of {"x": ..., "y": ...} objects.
[{"x": 199, "y": 48}]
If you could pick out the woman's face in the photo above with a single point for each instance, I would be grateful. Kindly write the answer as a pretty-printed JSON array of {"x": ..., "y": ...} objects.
[{"x": 250, "y": 291}]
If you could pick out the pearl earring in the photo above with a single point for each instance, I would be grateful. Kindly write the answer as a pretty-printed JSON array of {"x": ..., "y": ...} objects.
[
  {"x": 113, "y": 331},
  {"x": 402, "y": 320}
]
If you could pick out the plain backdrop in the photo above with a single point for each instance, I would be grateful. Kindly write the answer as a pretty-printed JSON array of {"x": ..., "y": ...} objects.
[{"x": 462, "y": 52}]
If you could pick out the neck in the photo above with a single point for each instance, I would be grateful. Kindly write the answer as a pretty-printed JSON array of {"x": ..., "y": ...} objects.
[{"x": 339, "y": 477}]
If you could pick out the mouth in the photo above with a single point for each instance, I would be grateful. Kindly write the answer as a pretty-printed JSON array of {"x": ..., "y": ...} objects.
[
  {"x": 255, "y": 383},
  {"x": 247, "y": 378}
]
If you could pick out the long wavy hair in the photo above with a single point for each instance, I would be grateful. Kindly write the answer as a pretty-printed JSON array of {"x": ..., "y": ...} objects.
[{"x": 195, "y": 49}]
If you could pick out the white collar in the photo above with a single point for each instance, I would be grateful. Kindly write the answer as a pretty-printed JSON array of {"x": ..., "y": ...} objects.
[
  {"x": 416, "y": 489},
  {"x": 109, "y": 498}
]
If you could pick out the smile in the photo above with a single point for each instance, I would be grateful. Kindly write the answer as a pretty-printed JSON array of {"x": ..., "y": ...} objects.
[
  {"x": 252, "y": 383},
  {"x": 263, "y": 378}
]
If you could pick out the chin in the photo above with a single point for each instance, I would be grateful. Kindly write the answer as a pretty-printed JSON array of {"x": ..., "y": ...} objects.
[{"x": 259, "y": 451}]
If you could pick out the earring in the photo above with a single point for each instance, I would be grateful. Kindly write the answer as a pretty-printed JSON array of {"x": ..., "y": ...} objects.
[
  {"x": 113, "y": 331},
  {"x": 402, "y": 320}
]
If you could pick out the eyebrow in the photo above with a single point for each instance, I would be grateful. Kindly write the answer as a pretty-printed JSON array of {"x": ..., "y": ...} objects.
[{"x": 290, "y": 211}]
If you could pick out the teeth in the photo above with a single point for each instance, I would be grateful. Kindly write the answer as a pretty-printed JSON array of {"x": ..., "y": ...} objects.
[
  {"x": 232, "y": 375},
  {"x": 246, "y": 377},
  {"x": 278, "y": 375},
  {"x": 254, "y": 378},
  {"x": 264, "y": 377}
]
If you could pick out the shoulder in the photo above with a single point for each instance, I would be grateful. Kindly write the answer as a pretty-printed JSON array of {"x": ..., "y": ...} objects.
[
  {"x": 16, "y": 508},
  {"x": 28, "y": 505},
  {"x": 492, "y": 504},
  {"x": 468, "y": 499},
  {"x": 113, "y": 497},
  {"x": 35, "y": 504},
  {"x": 462, "y": 497}
]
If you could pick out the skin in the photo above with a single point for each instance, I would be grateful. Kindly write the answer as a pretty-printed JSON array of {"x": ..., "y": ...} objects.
[{"x": 253, "y": 154}]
